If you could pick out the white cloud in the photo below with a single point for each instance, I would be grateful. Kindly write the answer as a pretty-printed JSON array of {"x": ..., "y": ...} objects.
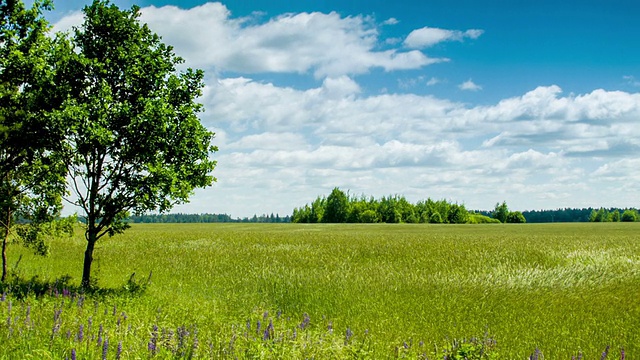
[
  {"x": 469, "y": 85},
  {"x": 429, "y": 36},
  {"x": 433, "y": 81},
  {"x": 390, "y": 21},
  {"x": 327, "y": 45},
  {"x": 282, "y": 146}
]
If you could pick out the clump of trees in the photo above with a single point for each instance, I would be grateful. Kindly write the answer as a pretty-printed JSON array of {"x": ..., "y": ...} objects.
[
  {"x": 613, "y": 215},
  {"x": 339, "y": 207}
]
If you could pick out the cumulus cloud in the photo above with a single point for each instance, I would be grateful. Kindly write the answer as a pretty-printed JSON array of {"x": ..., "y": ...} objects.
[
  {"x": 429, "y": 36},
  {"x": 327, "y": 45},
  {"x": 285, "y": 145},
  {"x": 469, "y": 85}
]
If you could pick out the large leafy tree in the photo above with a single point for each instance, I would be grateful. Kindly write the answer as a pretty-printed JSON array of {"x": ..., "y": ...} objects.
[
  {"x": 135, "y": 142},
  {"x": 32, "y": 179}
]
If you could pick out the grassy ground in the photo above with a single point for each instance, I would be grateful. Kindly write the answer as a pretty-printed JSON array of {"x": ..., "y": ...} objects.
[{"x": 397, "y": 289}]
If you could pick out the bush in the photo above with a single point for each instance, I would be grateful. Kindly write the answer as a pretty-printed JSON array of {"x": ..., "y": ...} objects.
[
  {"x": 482, "y": 219},
  {"x": 516, "y": 217},
  {"x": 629, "y": 216}
]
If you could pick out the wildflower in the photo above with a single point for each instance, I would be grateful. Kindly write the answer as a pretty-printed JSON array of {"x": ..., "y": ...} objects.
[
  {"x": 153, "y": 342},
  {"x": 248, "y": 324},
  {"x": 80, "y": 334},
  {"x": 265, "y": 315},
  {"x": 3, "y": 297},
  {"x": 622, "y": 354},
  {"x": 105, "y": 349},
  {"x": 536, "y": 355},
  {"x": 605, "y": 353},
  {"x": 119, "y": 350},
  {"x": 347, "y": 336},
  {"x": 268, "y": 332},
  {"x": 73, "y": 354},
  {"x": 100, "y": 331},
  {"x": 306, "y": 320},
  {"x": 258, "y": 325},
  {"x": 330, "y": 327}
]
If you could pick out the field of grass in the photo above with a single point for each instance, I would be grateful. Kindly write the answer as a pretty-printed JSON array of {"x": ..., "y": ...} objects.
[{"x": 336, "y": 291}]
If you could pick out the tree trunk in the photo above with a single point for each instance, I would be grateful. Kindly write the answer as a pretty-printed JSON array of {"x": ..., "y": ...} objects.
[
  {"x": 4, "y": 255},
  {"x": 88, "y": 259},
  {"x": 5, "y": 241}
]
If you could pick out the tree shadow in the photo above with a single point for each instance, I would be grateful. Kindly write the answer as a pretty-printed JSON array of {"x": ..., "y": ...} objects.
[{"x": 20, "y": 287}]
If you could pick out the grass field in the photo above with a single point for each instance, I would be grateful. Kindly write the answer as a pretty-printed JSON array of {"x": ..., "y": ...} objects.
[{"x": 337, "y": 291}]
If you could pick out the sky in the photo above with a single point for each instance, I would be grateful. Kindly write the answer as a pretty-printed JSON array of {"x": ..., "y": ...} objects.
[{"x": 536, "y": 103}]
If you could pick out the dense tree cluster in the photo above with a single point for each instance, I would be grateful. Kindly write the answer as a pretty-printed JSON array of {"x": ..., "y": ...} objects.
[
  {"x": 613, "y": 215},
  {"x": 339, "y": 207}
]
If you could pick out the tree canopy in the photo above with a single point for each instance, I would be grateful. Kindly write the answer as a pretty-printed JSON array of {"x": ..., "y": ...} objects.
[{"x": 32, "y": 176}]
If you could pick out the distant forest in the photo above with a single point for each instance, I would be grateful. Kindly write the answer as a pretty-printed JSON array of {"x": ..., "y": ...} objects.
[
  {"x": 532, "y": 216},
  {"x": 207, "y": 218}
]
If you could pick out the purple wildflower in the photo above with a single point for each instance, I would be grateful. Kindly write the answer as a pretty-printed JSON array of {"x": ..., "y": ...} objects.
[
  {"x": 153, "y": 342},
  {"x": 119, "y": 350},
  {"x": 4, "y": 296},
  {"x": 306, "y": 320},
  {"x": 100, "y": 331},
  {"x": 258, "y": 325},
  {"x": 330, "y": 327},
  {"x": 268, "y": 332},
  {"x": 105, "y": 349},
  {"x": 80, "y": 334},
  {"x": 347, "y": 336},
  {"x": 605, "y": 353},
  {"x": 622, "y": 354},
  {"x": 248, "y": 324},
  {"x": 265, "y": 315},
  {"x": 73, "y": 354}
]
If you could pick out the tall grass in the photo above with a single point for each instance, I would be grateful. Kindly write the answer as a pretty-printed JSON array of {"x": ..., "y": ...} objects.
[{"x": 400, "y": 290}]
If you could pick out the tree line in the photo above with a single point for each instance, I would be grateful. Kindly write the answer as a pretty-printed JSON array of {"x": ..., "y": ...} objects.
[
  {"x": 103, "y": 108},
  {"x": 339, "y": 207},
  {"x": 207, "y": 218}
]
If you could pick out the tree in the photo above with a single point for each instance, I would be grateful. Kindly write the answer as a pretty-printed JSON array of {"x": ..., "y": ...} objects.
[
  {"x": 135, "y": 142},
  {"x": 32, "y": 177},
  {"x": 501, "y": 212},
  {"x": 516, "y": 217},
  {"x": 629, "y": 215},
  {"x": 337, "y": 207}
]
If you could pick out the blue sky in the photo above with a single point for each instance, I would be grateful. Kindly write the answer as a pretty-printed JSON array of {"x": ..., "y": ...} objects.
[{"x": 535, "y": 103}]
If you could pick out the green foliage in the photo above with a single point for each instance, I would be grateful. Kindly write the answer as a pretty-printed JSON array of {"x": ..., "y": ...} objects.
[
  {"x": 135, "y": 142},
  {"x": 516, "y": 217},
  {"x": 629, "y": 215},
  {"x": 482, "y": 219},
  {"x": 614, "y": 216},
  {"x": 32, "y": 177},
  {"x": 500, "y": 212},
  {"x": 337, "y": 207}
]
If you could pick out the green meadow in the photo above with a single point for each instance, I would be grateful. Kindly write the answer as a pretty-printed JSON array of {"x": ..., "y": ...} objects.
[{"x": 331, "y": 291}]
